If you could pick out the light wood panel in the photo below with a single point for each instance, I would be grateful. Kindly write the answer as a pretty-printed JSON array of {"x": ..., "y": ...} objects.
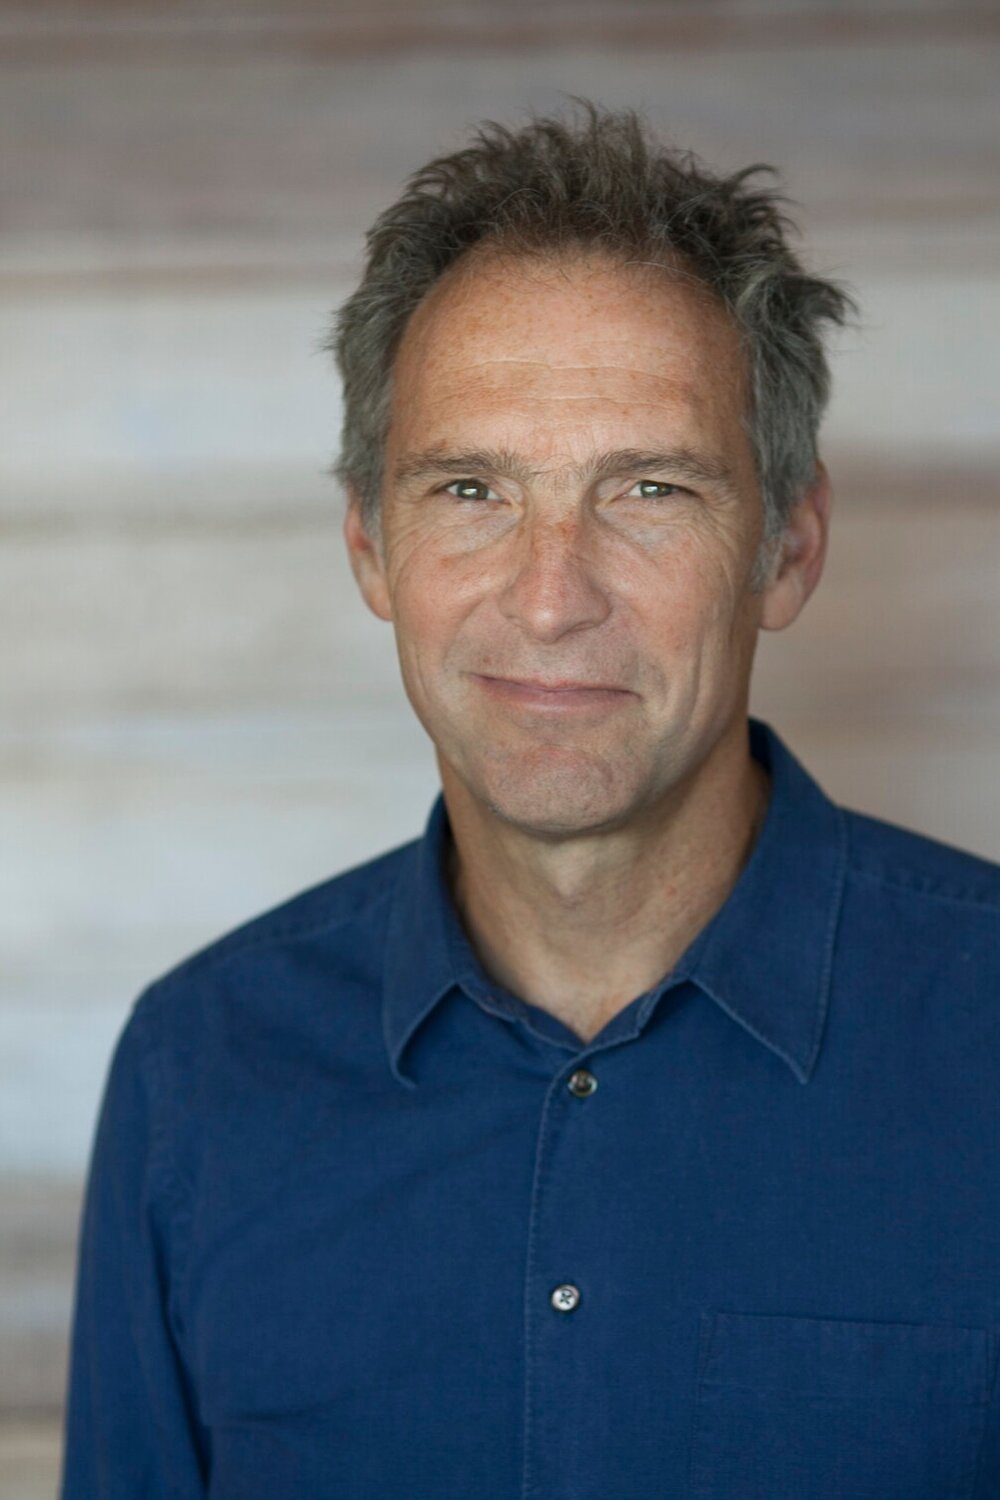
[
  {"x": 30, "y": 1457},
  {"x": 197, "y": 716},
  {"x": 38, "y": 1230},
  {"x": 289, "y": 156}
]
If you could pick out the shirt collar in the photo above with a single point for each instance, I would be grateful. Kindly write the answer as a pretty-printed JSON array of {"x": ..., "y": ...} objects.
[{"x": 765, "y": 958}]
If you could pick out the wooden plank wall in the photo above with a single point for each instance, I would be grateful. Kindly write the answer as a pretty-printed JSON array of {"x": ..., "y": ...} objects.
[{"x": 198, "y": 716}]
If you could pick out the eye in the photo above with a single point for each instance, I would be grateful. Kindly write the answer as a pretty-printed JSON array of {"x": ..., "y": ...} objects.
[
  {"x": 655, "y": 489},
  {"x": 470, "y": 489}
]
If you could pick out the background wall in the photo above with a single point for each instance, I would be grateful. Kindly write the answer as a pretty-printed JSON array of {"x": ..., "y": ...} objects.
[{"x": 198, "y": 715}]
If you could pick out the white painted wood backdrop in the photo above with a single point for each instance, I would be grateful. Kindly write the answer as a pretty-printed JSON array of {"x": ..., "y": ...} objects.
[{"x": 198, "y": 715}]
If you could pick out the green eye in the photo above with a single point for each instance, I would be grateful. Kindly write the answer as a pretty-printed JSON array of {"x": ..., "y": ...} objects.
[
  {"x": 470, "y": 489},
  {"x": 655, "y": 489}
]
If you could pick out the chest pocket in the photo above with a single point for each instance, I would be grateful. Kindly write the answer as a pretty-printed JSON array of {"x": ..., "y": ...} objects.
[{"x": 819, "y": 1409}]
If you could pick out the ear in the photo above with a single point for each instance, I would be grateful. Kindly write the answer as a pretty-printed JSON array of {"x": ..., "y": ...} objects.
[
  {"x": 801, "y": 555},
  {"x": 367, "y": 562}
]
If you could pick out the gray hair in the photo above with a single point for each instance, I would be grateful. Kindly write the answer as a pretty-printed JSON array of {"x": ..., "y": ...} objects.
[{"x": 602, "y": 184}]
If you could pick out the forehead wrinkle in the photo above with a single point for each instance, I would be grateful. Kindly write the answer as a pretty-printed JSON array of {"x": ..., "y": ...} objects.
[
  {"x": 479, "y": 368},
  {"x": 495, "y": 380},
  {"x": 550, "y": 364}
]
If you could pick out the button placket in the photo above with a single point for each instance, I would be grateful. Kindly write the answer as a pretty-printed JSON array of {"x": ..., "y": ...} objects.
[
  {"x": 551, "y": 1368},
  {"x": 581, "y": 1085}
]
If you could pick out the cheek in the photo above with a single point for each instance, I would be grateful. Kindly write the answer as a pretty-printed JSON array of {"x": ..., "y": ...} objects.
[
  {"x": 699, "y": 592},
  {"x": 431, "y": 604},
  {"x": 437, "y": 586},
  {"x": 705, "y": 629}
]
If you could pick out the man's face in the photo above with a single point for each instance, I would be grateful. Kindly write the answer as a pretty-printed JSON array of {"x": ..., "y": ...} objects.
[{"x": 530, "y": 532}]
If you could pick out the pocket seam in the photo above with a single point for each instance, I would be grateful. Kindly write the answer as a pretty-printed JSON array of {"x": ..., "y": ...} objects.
[
  {"x": 974, "y": 1404},
  {"x": 973, "y": 1362}
]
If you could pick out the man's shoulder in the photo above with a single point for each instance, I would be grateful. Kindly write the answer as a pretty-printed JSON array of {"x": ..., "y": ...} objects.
[
  {"x": 885, "y": 855},
  {"x": 336, "y": 906}
]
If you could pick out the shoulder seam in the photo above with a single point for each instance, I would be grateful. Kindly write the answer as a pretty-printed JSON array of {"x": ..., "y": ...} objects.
[
  {"x": 224, "y": 949},
  {"x": 919, "y": 886}
]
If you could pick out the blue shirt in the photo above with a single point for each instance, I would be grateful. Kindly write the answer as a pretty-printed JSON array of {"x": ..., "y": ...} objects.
[{"x": 361, "y": 1224}]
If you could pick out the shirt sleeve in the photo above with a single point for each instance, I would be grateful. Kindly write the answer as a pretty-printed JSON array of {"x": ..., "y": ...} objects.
[{"x": 130, "y": 1428}]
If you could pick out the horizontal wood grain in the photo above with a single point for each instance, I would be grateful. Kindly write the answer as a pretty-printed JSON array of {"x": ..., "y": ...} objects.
[
  {"x": 276, "y": 149},
  {"x": 30, "y": 1456},
  {"x": 389, "y": 26},
  {"x": 198, "y": 717},
  {"x": 38, "y": 1232}
]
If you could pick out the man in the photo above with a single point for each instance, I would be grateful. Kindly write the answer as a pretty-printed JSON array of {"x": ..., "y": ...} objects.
[{"x": 634, "y": 1132}]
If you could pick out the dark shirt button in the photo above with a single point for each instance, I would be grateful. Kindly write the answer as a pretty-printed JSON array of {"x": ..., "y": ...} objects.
[
  {"x": 582, "y": 1083},
  {"x": 565, "y": 1297}
]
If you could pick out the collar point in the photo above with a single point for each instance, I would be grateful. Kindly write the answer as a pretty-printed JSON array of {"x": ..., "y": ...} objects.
[{"x": 405, "y": 1079}]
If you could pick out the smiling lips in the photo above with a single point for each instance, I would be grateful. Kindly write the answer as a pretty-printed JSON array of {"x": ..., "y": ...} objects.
[
  {"x": 563, "y": 686},
  {"x": 559, "y": 696}
]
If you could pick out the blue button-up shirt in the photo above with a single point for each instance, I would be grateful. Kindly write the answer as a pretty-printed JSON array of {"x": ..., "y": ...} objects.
[{"x": 362, "y": 1224}]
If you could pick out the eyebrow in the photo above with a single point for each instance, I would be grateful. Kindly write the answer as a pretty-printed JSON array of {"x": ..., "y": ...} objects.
[{"x": 468, "y": 462}]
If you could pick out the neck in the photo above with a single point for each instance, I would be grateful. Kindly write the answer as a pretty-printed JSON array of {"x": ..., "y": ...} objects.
[{"x": 582, "y": 926}]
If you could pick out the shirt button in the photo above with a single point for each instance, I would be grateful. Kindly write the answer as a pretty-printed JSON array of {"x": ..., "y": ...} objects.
[
  {"x": 565, "y": 1297},
  {"x": 582, "y": 1083}
]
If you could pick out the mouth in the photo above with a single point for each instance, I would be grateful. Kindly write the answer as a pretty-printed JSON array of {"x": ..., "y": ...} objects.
[{"x": 558, "y": 697}]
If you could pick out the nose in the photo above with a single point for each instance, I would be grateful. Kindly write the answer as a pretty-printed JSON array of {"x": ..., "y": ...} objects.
[{"x": 552, "y": 586}]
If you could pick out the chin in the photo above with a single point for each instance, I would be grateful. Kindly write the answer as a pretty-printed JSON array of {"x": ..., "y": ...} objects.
[{"x": 557, "y": 801}]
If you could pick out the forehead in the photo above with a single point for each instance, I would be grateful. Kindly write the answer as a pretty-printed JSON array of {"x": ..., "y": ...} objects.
[{"x": 582, "y": 332}]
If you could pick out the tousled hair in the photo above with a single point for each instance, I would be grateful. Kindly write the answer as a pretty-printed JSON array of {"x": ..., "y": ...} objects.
[{"x": 603, "y": 184}]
